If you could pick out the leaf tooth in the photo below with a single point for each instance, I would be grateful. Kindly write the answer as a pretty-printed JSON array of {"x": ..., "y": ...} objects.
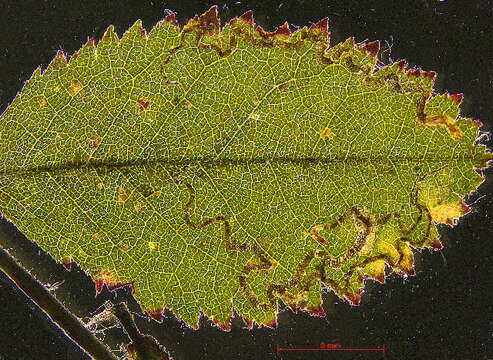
[
  {"x": 106, "y": 279},
  {"x": 271, "y": 323},
  {"x": 171, "y": 18},
  {"x": 210, "y": 18},
  {"x": 59, "y": 61},
  {"x": 355, "y": 299},
  {"x": 98, "y": 283},
  {"x": 322, "y": 25},
  {"x": 105, "y": 50},
  {"x": 413, "y": 72},
  {"x": 156, "y": 314},
  {"x": 247, "y": 321},
  {"x": 406, "y": 263},
  {"x": 456, "y": 97},
  {"x": 418, "y": 72},
  {"x": 448, "y": 213},
  {"x": 89, "y": 44},
  {"x": 34, "y": 77},
  {"x": 436, "y": 245},
  {"x": 223, "y": 325},
  {"x": 68, "y": 263},
  {"x": 402, "y": 65},
  {"x": 280, "y": 31},
  {"x": 283, "y": 30},
  {"x": 372, "y": 48},
  {"x": 317, "y": 311},
  {"x": 141, "y": 30},
  {"x": 135, "y": 34},
  {"x": 429, "y": 74},
  {"x": 166, "y": 29},
  {"x": 87, "y": 49},
  {"x": 208, "y": 22},
  {"x": 247, "y": 17},
  {"x": 261, "y": 32},
  {"x": 109, "y": 37},
  {"x": 474, "y": 121}
]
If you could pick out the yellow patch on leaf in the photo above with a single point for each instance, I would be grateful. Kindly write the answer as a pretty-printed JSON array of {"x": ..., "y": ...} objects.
[
  {"x": 389, "y": 250},
  {"x": 445, "y": 121},
  {"x": 369, "y": 243},
  {"x": 122, "y": 246},
  {"x": 406, "y": 264},
  {"x": 447, "y": 213},
  {"x": 122, "y": 195},
  {"x": 74, "y": 88},
  {"x": 325, "y": 133},
  {"x": 376, "y": 270}
]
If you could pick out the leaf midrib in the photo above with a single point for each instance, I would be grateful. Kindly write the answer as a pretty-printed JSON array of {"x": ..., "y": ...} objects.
[{"x": 208, "y": 162}]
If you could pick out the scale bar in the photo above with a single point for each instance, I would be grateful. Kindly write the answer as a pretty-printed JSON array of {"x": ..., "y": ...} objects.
[{"x": 382, "y": 349}]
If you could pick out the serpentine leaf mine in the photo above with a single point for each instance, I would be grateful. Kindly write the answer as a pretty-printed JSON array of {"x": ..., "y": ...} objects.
[{"x": 218, "y": 168}]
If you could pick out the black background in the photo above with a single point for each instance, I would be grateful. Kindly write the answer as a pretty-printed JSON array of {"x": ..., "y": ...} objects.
[{"x": 445, "y": 311}]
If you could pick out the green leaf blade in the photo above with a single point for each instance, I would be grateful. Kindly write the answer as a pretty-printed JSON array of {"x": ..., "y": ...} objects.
[{"x": 224, "y": 169}]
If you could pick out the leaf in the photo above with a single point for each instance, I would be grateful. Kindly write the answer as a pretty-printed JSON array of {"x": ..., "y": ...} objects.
[{"x": 227, "y": 168}]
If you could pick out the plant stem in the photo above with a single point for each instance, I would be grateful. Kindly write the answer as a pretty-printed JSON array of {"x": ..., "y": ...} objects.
[
  {"x": 142, "y": 345},
  {"x": 72, "y": 326}
]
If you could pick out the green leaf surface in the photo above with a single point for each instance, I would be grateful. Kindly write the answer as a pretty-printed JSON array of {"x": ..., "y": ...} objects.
[{"x": 219, "y": 169}]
